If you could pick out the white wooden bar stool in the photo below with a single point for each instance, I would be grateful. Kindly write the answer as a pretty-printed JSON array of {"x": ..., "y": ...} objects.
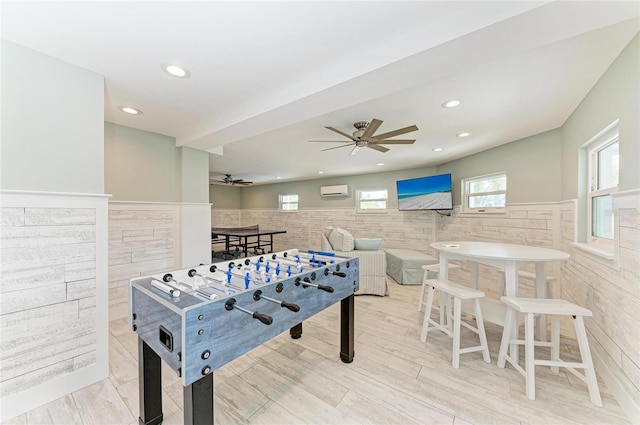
[
  {"x": 459, "y": 293},
  {"x": 435, "y": 268},
  {"x": 555, "y": 308}
]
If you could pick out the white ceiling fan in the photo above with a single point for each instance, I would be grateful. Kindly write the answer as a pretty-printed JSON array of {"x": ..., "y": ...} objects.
[{"x": 364, "y": 137}]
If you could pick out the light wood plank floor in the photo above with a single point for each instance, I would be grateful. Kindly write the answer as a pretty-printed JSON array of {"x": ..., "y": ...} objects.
[{"x": 394, "y": 379}]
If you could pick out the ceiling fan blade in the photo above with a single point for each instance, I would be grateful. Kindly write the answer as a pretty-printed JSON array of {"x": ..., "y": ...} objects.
[
  {"x": 336, "y": 147},
  {"x": 395, "y": 142},
  {"x": 328, "y": 141},
  {"x": 371, "y": 128},
  {"x": 377, "y": 147},
  {"x": 341, "y": 133},
  {"x": 396, "y": 132},
  {"x": 355, "y": 149}
]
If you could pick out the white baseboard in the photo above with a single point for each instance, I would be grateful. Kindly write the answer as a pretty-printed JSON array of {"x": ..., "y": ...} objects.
[
  {"x": 24, "y": 401},
  {"x": 625, "y": 400}
]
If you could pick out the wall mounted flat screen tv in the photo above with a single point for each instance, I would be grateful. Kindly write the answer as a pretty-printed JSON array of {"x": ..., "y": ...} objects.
[{"x": 425, "y": 193}]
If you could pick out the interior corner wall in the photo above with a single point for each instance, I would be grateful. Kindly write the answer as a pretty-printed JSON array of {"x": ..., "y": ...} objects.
[
  {"x": 52, "y": 124},
  {"x": 159, "y": 215},
  {"x": 225, "y": 197},
  {"x": 140, "y": 165}
]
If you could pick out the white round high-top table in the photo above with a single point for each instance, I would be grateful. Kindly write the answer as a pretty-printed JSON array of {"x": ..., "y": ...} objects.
[{"x": 502, "y": 255}]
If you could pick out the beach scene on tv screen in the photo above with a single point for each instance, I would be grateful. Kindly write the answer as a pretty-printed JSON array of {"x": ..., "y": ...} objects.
[{"x": 419, "y": 195}]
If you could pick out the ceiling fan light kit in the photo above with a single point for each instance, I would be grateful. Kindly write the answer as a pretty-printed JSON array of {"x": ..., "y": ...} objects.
[{"x": 365, "y": 137}]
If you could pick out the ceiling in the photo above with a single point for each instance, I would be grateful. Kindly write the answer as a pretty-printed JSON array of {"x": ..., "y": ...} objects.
[{"x": 267, "y": 76}]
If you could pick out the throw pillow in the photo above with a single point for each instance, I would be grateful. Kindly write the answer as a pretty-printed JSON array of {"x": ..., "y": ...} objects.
[
  {"x": 341, "y": 240},
  {"x": 368, "y": 244}
]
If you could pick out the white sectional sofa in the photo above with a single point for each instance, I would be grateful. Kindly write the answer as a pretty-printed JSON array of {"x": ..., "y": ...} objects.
[{"x": 373, "y": 262}]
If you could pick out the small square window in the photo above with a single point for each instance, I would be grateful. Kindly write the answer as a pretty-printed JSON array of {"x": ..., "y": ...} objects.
[
  {"x": 371, "y": 199},
  {"x": 485, "y": 193},
  {"x": 288, "y": 203}
]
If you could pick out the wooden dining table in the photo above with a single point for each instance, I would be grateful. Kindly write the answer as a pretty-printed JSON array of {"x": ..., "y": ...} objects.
[{"x": 509, "y": 257}]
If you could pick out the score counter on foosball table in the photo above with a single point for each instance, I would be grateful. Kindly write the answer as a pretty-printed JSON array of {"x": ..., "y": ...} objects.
[{"x": 199, "y": 319}]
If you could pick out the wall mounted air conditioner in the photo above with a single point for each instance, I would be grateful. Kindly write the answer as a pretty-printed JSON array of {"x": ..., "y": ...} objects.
[{"x": 339, "y": 190}]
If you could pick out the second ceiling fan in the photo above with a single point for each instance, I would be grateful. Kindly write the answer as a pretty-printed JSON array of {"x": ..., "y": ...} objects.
[{"x": 365, "y": 137}]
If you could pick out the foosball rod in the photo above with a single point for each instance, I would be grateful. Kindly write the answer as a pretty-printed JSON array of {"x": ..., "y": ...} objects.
[
  {"x": 213, "y": 281},
  {"x": 267, "y": 266},
  {"x": 245, "y": 277},
  {"x": 307, "y": 282},
  {"x": 298, "y": 262},
  {"x": 264, "y": 318},
  {"x": 168, "y": 278},
  {"x": 293, "y": 307},
  {"x": 213, "y": 269}
]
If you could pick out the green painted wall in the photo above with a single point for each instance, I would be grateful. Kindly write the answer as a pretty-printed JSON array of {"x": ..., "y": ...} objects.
[
  {"x": 533, "y": 167},
  {"x": 144, "y": 166},
  {"x": 225, "y": 197},
  {"x": 615, "y": 96},
  {"x": 266, "y": 196},
  {"x": 52, "y": 124},
  {"x": 194, "y": 168}
]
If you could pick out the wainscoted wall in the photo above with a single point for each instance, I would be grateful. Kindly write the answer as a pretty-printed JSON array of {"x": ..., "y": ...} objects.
[
  {"x": 612, "y": 293},
  {"x": 142, "y": 241},
  {"x": 145, "y": 238},
  {"x": 530, "y": 224},
  {"x": 53, "y": 286},
  {"x": 409, "y": 229}
]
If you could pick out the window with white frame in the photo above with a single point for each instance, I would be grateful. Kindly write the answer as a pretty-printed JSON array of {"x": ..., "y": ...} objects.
[
  {"x": 604, "y": 166},
  {"x": 288, "y": 202},
  {"x": 486, "y": 193},
  {"x": 371, "y": 199}
]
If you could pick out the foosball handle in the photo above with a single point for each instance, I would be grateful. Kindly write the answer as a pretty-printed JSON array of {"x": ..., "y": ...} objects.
[
  {"x": 325, "y": 288},
  {"x": 264, "y": 318},
  {"x": 293, "y": 307}
]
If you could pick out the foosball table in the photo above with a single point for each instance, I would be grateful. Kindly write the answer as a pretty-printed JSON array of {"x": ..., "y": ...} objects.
[{"x": 200, "y": 318}]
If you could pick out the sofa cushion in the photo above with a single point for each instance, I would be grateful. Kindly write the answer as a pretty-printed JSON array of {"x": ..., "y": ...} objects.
[
  {"x": 341, "y": 240},
  {"x": 368, "y": 244}
]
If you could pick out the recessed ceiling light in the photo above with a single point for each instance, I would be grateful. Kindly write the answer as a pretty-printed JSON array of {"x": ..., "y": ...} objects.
[
  {"x": 463, "y": 134},
  {"x": 451, "y": 103},
  {"x": 380, "y": 164},
  {"x": 130, "y": 110},
  {"x": 437, "y": 149},
  {"x": 278, "y": 177},
  {"x": 320, "y": 172},
  {"x": 175, "y": 70}
]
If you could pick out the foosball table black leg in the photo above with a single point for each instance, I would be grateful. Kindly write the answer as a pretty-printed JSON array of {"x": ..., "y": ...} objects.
[
  {"x": 198, "y": 402},
  {"x": 296, "y": 331},
  {"x": 150, "y": 387},
  {"x": 347, "y": 329}
]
